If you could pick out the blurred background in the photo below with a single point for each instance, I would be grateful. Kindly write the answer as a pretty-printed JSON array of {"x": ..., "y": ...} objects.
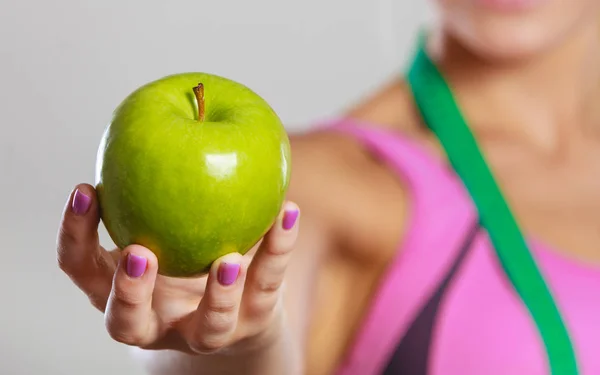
[{"x": 66, "y": 64}]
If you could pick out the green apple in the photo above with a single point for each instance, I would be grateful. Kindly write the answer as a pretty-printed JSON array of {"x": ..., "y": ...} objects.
[{"x": 192, "y": 166}]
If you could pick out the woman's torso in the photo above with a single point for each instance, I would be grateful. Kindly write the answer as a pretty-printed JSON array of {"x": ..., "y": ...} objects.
[{"x": 370, "y": 288}]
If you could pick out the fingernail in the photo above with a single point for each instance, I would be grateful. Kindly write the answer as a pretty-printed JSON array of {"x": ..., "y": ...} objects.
[
  {"x": 136, "y": 265},
  {"x": 81, "y": 203},
  {"x": 289, "y": 219},
  {"x": 228, "y": 273}
]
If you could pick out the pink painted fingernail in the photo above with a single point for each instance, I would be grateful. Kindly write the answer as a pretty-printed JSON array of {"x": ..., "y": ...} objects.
[
  {"x": 136, "y": 265},
  {"x": 228, "y": 273},
  {"x": 289, "y": 219},
  {"x": 81, "y": 203}
]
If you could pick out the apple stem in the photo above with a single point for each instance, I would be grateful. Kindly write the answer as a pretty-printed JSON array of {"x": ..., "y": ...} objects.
[{"x": 199, "y": 91}]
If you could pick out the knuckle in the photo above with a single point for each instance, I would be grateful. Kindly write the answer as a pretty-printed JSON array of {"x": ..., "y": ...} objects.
[
  {"x": 267, "y": 286},
  {"x": 258, "y": 309},
  {"x": 127, "y": 298},
  {"x": 124, "y": 337},
  {"x": 127, "y": 328},
  {"x": 97, "y": 301},
  {"x": 71, "y": 268},
  {"x": 63, "y": 250},
  {"x": 62, "y": 262},
  {"x": 67, "y": 238},
  {"x": 279, "y": 246},
  {"x": 219, "y": 323},
  {"x": 208, "y": 345},
  {"x": 267, "y": 279},
  {"x": 222, "y": 307}
]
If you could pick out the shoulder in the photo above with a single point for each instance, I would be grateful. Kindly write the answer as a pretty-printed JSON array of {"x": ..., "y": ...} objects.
[
  {"x": 391, "y": 106},
  {"x": 324, "y": 156},
  {"x": 326, "y": 167},
  {"x": 339, "y": 185},
  {"x": 326, "y": 162}
]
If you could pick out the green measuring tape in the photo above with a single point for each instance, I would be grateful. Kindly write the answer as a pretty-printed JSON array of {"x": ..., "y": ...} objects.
[{"x": 442, "y": 114}]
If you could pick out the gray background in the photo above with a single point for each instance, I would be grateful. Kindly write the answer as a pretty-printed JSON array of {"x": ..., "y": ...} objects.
[{"x": 65, "y": 65}]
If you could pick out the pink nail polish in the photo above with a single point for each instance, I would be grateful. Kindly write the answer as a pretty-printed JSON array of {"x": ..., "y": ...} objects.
[
  {"x": 228, "y": 273},
  {"x": 289, "y": 219},
  {"x": 81, "y": 203},
  {"x": 136, "y": 265}
]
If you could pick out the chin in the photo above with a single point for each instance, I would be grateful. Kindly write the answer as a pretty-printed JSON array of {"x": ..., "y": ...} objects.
[
  {"x": 514, "y": 35},
  {"x": 506, "y": 44}
]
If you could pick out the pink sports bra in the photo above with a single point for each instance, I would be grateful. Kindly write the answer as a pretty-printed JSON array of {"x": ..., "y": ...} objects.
[{"x": 445, "y": 306}]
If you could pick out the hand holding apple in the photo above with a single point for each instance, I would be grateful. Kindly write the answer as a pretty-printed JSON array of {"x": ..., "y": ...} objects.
[
  {"x": 189, "y": 177},
  {"x": 236, "y": 307}
]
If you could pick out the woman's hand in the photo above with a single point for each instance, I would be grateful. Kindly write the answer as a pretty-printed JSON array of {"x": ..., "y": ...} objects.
[{"x": 237, "y": 307}]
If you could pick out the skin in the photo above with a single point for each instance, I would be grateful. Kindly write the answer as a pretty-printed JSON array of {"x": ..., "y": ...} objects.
[{"x": 532, "y": 110}]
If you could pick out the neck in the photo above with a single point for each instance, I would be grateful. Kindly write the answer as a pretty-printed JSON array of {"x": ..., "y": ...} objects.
[{"x": 545, "y": 100}]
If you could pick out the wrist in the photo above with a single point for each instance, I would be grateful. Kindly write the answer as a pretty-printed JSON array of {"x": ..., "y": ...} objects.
[
  {"x": 273, "y": 352},
  {"x": 274, "y": 335}
]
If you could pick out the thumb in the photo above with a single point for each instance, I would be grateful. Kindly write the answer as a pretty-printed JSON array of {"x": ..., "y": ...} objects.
[
  {"x": 79, "y": 253},
  {"x": 78, "y": 233}
]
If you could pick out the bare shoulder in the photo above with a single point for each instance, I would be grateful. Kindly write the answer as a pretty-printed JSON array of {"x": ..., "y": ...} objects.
[
  {"x": 322, "y": 161},
  {"x": 351, "y": 194},
  {"x": 326, "y": 167},
  {"x": 329, "y": 168},
  {"x": 392, "y": 107}
]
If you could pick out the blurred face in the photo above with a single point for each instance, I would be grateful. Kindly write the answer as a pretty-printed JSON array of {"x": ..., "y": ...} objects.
[{"x": 512, "y": 29}]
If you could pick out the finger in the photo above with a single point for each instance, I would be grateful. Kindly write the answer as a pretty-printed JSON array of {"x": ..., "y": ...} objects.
[
  {"x": 267, "y": 270},
  {"x": 215, "y": 321},
  {"x": 79, "y": 253},
  {"x": 129, "y": 316}
]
